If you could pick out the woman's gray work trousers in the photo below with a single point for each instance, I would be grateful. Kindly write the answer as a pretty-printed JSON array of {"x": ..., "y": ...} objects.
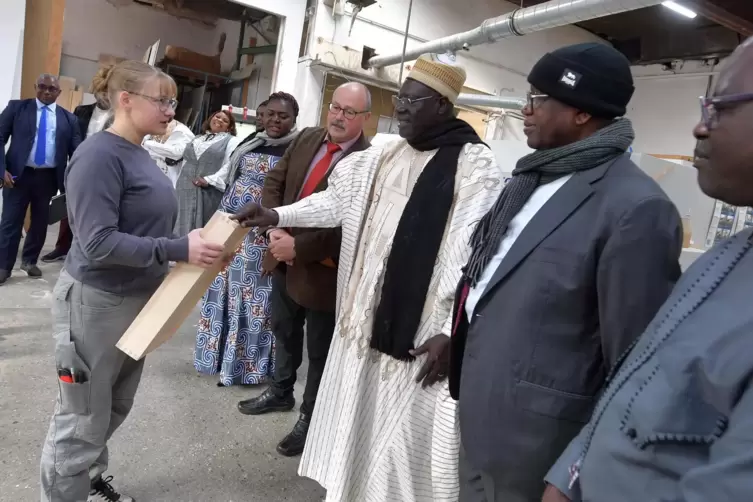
[{"x": 87, "y": 323}]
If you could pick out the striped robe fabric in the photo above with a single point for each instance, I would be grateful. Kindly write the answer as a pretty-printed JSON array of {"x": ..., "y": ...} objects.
[{"x": 376, "y": 435}]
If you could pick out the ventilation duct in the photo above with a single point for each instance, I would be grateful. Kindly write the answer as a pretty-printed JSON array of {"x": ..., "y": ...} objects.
[
  {"x": 491, "y": 101},
  {"x": 519, "y": 22}
]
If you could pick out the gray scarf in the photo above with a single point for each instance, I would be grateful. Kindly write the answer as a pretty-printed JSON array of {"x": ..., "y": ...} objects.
[
  {"x": 259, "y": 140},
  {"x": 539, "y": 168}
]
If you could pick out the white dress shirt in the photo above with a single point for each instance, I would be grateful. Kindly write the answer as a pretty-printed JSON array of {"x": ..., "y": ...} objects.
[
  {"x": 537, "y": 200},
  {"x": 98, "y": 120},
  {"x": 172, "y": 148}
]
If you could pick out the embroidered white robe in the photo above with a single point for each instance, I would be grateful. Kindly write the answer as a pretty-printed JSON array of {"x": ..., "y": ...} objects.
[{"x": 376, "y": 435}]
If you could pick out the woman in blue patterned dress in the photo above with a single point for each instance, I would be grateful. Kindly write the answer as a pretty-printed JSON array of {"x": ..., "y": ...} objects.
[{"x": 235, "y": 337}]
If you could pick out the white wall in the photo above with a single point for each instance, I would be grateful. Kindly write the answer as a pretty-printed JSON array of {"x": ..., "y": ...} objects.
[
  {"x": 94, "y": 27},
  {"x": 665, "y": 107},
  {"x": 13, "y": 13}
]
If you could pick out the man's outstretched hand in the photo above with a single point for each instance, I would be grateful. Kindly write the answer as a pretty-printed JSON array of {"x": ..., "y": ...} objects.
[{"x": 253, "y": 215}]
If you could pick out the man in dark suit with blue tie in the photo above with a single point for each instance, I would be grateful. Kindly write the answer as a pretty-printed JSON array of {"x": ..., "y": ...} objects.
[{"x": 31, "y": 172}]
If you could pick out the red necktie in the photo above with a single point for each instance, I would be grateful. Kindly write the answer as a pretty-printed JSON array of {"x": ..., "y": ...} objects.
[{"x": 319, "y": 171}]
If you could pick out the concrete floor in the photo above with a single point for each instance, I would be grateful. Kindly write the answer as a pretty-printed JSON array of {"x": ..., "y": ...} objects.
[{"x": 184, "y": 441}]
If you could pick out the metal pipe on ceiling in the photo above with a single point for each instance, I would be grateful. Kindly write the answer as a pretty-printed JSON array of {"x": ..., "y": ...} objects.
[
  {"x": 402, "y": 59},
  {"x": 508, "y": 103},
  {"x": 519, "y": 22}
]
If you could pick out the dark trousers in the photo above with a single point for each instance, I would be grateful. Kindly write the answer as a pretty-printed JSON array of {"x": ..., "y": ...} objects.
[
  {"x": 65, "y": 237},
  {"x": 35, "y": 188},
  {"x": 288, "y": 319},
  {"x": 478, "y": 486}
]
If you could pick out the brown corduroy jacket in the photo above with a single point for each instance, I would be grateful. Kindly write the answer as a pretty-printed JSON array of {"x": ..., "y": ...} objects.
[{"x": 311, "y": 283}]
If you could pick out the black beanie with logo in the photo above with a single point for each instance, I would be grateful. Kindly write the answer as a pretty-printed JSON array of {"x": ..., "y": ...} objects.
[{"x": 592, "y": 77}]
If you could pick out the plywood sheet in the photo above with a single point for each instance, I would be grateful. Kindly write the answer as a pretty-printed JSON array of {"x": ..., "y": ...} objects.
[{"x": 43, "y": 39}]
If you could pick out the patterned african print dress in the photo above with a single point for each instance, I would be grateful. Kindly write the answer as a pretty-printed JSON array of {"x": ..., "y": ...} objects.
[{"x": 235, "y": 337}]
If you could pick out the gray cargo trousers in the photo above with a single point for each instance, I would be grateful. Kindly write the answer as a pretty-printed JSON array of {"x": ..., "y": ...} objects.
[{"x": 87, "y": 323}]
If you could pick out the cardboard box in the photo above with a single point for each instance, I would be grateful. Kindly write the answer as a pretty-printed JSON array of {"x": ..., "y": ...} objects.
[{"x": 178, "y": 295}]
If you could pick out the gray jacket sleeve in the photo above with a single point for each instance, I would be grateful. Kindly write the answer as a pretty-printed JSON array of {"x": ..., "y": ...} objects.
[
  {"x": 638, "y": 268},
  {"x": 95, "y": 185},
  {"x": 559, "y": 474}
]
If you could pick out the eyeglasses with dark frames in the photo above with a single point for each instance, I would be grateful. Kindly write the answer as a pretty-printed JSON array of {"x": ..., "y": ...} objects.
[
  {"x": 348, "y": 113},
  {"x": 532, "y": 98},
  {"x": 164, "y": 104},
  {"x": 710, "y": 106}
]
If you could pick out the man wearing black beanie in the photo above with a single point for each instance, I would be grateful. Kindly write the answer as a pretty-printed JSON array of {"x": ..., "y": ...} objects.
[{"x": 567, "y": 269}]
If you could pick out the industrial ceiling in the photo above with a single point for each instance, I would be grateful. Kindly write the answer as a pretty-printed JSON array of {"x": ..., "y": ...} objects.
[
  {"x": 660, "y": 35},
  {"x": 203, "y": 11}
]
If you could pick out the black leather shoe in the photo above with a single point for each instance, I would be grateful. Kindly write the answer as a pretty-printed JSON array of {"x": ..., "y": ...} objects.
[
  {"x": 266, "y": 403},
  {"x": 55, "y": 255},
  {"x": 31, "y": 270},
  {"x": 4, "y": 276},
  {"x": 292, "y": 445}
]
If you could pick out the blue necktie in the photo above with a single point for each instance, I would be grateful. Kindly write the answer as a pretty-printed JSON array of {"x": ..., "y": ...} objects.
[{"x": 40, "y": 156}]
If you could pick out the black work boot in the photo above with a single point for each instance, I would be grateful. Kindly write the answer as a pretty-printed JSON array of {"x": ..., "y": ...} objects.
[
  {"x": 4, "y": 276},
  {"x": 266, "y": 403},
  {"x": 292, "y": 445}
]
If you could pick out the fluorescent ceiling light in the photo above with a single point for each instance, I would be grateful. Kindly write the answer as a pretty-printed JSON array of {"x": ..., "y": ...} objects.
[{"x": 679, "y": 9}]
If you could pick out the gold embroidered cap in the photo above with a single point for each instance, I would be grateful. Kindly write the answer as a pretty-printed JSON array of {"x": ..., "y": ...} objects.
[{"x": 440, "y": 74}]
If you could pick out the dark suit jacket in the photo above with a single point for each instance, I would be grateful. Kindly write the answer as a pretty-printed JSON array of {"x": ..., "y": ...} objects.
[
  {"x": 309, "y": 282},
  {"x": 84, "y": 115},
  {"x": 19, "y": 122},
  {"x": 578, "y": 286}
]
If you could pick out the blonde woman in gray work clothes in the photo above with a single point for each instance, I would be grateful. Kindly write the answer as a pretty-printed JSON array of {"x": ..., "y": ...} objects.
[{"x": 122, "y": 210}]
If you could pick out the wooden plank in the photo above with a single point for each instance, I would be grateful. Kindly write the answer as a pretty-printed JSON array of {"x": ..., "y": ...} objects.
[
  {"x": 179, "y": 293},
  {"x": 43, "y": 39}
]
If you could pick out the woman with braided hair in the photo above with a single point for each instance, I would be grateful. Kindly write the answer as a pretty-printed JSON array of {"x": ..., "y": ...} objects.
[{"x": 235, "y": 337}]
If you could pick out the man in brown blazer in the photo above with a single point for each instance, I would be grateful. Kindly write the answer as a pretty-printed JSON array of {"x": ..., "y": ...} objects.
[{"x": 304, "y": 261}]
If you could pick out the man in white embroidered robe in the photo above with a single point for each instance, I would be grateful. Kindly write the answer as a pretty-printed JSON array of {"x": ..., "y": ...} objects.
[{"x": 407, "y": 211}]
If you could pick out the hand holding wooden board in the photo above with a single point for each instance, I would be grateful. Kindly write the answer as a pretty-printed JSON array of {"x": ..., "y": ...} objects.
[{"x": 181, "y": 290}]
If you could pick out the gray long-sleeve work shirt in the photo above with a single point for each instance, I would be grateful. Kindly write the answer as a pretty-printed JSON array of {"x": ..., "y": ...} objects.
[
  {"x": 122, "y": 210},
  {"x": 675, "y": 424}
]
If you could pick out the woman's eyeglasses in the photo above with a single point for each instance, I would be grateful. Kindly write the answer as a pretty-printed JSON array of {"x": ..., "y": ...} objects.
[
  {"x": 164, "y": 104},
  {"x": 711, "y": 106}
]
